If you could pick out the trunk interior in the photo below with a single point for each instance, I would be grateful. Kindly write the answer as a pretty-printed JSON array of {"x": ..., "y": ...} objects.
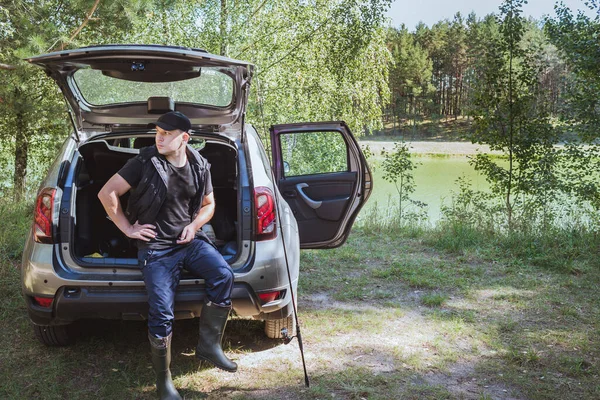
[{"x": 97, "y": 241}]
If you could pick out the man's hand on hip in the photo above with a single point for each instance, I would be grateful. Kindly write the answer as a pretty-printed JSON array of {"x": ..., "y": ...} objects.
[{"x": 144, "y": 232}]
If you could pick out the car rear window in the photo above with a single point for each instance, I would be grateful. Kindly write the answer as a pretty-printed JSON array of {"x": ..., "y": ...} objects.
[{"x": 213, "y": 87}]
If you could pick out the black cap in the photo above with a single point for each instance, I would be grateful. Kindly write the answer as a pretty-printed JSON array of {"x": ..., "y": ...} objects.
[{"x": 171, "y": 121}]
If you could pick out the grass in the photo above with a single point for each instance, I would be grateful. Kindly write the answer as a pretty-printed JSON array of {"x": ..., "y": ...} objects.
[
  {"x": 421, "y": 313},
  {"x": 533, "y": 316},
  {"x": 433, "y": 300},
  {"x": 16, "y": 221}
]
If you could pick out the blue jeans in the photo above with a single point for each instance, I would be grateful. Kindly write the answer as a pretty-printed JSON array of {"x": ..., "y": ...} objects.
[{"x": 161, "y": 270}]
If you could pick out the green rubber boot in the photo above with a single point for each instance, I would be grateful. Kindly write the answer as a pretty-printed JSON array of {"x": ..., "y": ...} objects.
[
  {"x": 161, "y": 359},
  {"x": 212, "y": 325}
]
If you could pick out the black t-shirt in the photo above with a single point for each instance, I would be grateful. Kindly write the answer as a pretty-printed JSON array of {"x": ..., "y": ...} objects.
[{"x": 174, "y": 214}]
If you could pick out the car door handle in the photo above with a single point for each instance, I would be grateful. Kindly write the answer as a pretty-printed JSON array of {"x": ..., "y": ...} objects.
[{"x": 311, "y": 203}]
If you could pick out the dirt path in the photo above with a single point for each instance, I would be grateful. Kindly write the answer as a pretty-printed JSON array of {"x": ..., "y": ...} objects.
[{"x": 360, "y": 351}]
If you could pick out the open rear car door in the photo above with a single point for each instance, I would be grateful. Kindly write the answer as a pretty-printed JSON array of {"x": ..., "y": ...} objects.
[{"x": 324, "y": 177}]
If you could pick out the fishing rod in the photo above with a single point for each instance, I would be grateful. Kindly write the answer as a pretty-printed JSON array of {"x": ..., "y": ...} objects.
[{"x": 284, "y": 332}]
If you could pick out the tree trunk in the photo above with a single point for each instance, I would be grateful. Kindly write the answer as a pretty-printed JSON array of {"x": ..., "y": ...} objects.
[
  {"x": 21, "y": 147},
  {"x": 511, "y": 122},
  {"x": 441, "y": 100},
  {"x": 440, "y": 94},
  {"x": 223, "y": 28},
  {"x": 414, "y": 116},
  {"x": 449, "y": 96},
  {"x": 394, "y": 107},
  {"x": 458, "y": 97}
]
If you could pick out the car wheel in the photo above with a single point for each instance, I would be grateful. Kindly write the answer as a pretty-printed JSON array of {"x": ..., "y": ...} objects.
[
  {"x": 273, "y": 327},
  {"x": 59, "y": 335}
]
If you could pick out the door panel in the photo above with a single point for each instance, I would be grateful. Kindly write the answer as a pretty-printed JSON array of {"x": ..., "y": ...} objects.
[
  {"x": 320, "y": 203},
  {"x": 322, "y": 174}
]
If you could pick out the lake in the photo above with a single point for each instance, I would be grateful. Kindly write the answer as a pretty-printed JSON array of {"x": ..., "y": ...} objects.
[{"x": 438, "y": 168}]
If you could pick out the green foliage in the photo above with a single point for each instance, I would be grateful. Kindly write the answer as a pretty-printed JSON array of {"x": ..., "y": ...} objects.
[
  {"x": 397, "y": 168},
  {"x": 31, "y": 120},
  {"x": 313, "y": 153},
  {"x": 368, "y": 153},
  {"x": 33, "y": 113},
  {"x": 537, "y": 186},
  {"x": 470, "y": 209},
  {"x": 410, "y": 76},
  {"x": 580, "y": 174},
  {"x": 434, "y": 71},
  {"x": 16, "y": 224},
  {"x": 576, "y": 37},
  {"x": 322, "y": 60},
  {"x": 327, "y": 62},
  {"x": 510, "y": 115},
  {"x": 212, "y": 87}
]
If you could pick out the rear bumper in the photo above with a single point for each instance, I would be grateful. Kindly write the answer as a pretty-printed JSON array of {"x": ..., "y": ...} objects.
[
  {"x": 125, "y": 303},
  {"x": 121, "y": 294}
]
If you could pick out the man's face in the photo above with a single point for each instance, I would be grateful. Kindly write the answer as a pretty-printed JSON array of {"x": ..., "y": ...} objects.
[{"x": 168, "y": 142}]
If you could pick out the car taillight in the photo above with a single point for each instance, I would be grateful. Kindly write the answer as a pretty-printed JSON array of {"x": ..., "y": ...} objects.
[
  {"x": 42, "y": 225},
  {"x": 45, "y": 302},
  {"x": 265, "y": 213},
  {"x": 267, "y": 297}
]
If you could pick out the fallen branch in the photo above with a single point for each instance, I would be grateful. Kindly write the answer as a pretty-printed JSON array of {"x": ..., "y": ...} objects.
[{"x": 7, "y": 66}]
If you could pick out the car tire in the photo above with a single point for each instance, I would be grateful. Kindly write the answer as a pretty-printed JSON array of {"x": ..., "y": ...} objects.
[
  {"x": 273, "y": 327},
  {"x": 50, "y": 335}
]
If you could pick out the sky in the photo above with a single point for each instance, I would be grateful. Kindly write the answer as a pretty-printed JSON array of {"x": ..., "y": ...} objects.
[{"x": 410, "y": 12}]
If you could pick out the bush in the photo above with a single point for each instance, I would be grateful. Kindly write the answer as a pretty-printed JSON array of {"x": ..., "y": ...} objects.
[{"x": 16, "y": 223}]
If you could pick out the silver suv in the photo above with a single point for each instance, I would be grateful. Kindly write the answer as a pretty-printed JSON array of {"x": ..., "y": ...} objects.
[{"x": 77, "y": 264}]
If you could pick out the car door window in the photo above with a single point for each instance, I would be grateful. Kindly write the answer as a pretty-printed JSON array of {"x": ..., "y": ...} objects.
[{"x": 311, "y": 153}]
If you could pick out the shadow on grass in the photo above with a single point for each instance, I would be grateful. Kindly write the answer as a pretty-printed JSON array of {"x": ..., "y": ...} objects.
[
  {"x": 109, "y": 359},
  {"x": 246, "y": 335}
]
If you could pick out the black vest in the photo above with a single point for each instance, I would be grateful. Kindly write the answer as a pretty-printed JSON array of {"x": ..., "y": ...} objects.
[{"x": 148, "y": 197}]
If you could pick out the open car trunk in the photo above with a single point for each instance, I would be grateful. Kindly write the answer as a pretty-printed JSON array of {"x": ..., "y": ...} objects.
[{"x": 96, "y": 241}]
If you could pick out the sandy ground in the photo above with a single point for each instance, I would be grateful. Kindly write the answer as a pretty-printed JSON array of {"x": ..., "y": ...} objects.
[
  {"x": 429, "y": 147},
  {"x": 377, "y": 350}
]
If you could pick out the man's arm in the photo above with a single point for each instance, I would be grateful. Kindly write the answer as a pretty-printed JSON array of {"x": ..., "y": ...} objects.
[
  {"x": 204, "y": 215},
  {"x": 109, "y": 197}
]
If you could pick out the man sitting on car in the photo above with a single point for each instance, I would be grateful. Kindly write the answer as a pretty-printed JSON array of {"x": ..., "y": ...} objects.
[{"x": 171, "y": 198}]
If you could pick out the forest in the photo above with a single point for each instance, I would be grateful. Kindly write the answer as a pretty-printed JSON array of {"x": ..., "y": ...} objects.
[
  {"x": 434, "y": 70},
  {"x": 521, "y": 86}
]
